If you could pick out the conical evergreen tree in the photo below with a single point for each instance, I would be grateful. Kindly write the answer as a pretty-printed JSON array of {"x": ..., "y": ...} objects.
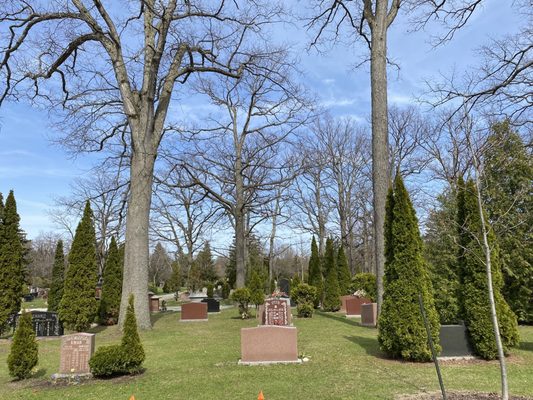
[
  {"x": 12, "y": 277},
  {"x": 475, "y": 299},
  {"x": 402, "y": 332},
  {"x": 256, "y": 287},
  {"x": 24, "y": 349},
  {"x": 315, "y": 274},
  {"x": 206, "y": 265},
  {"x": 58, "y": 278},
  {"x": 507, "y": 177},
  {"x": 332, "y": 301},
  {"x": 131, "y": 342},
  {"x": 112, "y": 286},
  {"x": 343, "y": 271},
  {"x": 78, "y": 306}
]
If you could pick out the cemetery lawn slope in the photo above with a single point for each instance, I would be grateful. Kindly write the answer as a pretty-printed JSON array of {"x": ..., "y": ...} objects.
[{"x": 198, "y": 361}]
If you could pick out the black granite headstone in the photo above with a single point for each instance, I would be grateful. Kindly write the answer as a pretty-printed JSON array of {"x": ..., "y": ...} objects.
[
  {"x": 45, "y": 323},
  {"x": 285, "y": 286},
  {"x": 213, "y": 305},
  {"x": 454, "y": 341}
]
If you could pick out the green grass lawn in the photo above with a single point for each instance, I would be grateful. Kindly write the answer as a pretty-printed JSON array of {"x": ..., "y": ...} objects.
[
  {"x": 199, "y": 361},
  {"x": 35, "y": 303}
]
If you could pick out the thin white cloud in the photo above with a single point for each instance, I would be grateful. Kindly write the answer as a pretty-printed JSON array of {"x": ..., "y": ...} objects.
[
  {"x": 21, "y": 172},
  {"x": 342, "y": 102},
  {"x": 400, "y": 99}
]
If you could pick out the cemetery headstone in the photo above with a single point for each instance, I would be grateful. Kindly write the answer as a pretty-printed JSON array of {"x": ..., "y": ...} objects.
[
  {"x": 44, "y": 323},
  {"x": 193, "y": 312},
  {"x": 276, "y": 312},
  {"x": 76, "y": 351},
  {"x": 369, "y": 314},
  {"x": 213, "y": 305},
  {"x": 154, "y": 304},
  {"x": 353, "y": 306},
  {"x": 285, "y": 286},
  {"x": 269, "y": 344},
  {"x": 454, "y": 341}
]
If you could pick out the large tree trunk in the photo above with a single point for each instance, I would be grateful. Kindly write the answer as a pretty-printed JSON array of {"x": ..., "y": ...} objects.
[
  {"x": 380, "y": 159},
  {"x": 136, "y": 255}
]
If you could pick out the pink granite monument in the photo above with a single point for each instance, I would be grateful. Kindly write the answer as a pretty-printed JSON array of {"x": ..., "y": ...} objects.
[
  {"x": 194, "y": 312},
  {"x": 76, "y": 351},
  {"x": 353, "y": 306},
  {"x": 269, "y": 344}
]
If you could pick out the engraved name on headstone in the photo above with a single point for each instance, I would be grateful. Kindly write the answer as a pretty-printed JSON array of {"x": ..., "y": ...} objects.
[{"x": 76, "y": 351}]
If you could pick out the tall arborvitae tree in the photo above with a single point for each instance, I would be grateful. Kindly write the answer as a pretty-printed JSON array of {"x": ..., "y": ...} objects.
[
  {"x": 12, "y": 277},
  {"x": 257, "y": 288},
  {"x": 204, "y": 259},
  {"x": 440, "y": 251},
  {"x": 78, "y": 306},
  {"x": 332, "y": 301},
  {"x": 112, "y": 286},
  {"x": 402, "y": 333},
  {"x": 343, "y": 271},
  {"x": 507, "y": 177},
  {"x": 315, "y": 274},
  {"x": 475, "y": 299},
  {"x": 58, "y": 278}
]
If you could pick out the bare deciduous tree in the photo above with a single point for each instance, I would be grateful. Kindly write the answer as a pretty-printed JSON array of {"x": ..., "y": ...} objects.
[
  {"x": 113, "y": 72},
  {"x": 238, "y": 159},
  {"x": 108, "y": 193},
  {"x": 370, "y": 20}
]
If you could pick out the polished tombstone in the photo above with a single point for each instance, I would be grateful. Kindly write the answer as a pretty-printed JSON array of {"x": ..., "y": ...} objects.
[
  {"x": 369, "y": 314},
  {"x": 269, "y": 344},
  {"x": 274, "y": 341},
  {"x": 76, "y": 351},
  {"x": 454, "y": 341},
  {"x": 44, "y": 323},
  {"x": 213, "y": 305},
  {"x": 154, "y": 304},
  {"x": 353, "y": 306},
  {"x": 193, "y": 312},
  {"x": 277, "y": 312}
]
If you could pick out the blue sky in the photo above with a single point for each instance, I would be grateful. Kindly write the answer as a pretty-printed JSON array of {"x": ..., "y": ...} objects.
[{"x": 38, "y": 171}]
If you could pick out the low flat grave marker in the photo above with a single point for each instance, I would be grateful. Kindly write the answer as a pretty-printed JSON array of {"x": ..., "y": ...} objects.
[{"x": 193, "y": 312}]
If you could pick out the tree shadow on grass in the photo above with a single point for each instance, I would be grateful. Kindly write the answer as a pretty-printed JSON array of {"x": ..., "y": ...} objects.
[
  {"x": 527, "y": 346},
  {"x": 338, "y": 317},
  {"x": 98, "y": 329},
  {"x": 369, "y": 344},
  {"x": 155, "y": 317}
]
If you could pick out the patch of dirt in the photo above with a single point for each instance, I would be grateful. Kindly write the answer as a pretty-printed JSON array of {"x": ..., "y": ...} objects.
[{"x": 459, "y": 396}]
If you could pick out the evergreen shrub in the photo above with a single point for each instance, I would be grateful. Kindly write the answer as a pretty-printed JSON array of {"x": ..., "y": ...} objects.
[
  {"x": 242, "y": 296},
  {"x": 24, "y": 352},
  {"x": 367, "y": 282}
]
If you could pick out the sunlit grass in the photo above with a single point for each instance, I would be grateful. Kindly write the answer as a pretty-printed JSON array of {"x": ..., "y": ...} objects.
[{"x": 199, "y": 361}]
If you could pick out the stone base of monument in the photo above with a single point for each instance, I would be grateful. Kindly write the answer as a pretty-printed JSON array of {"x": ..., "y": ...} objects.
[
  {"x": 269, "y": 344},
  {"x": 194, "y": 312},
  {"x": 454, "y": 342},
  {"x": 70, "y": 379},
  {"x": 369, "y": 314}
]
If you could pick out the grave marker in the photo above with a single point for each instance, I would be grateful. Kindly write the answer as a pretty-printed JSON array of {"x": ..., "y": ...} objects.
[{"x": 76, "y": 351}]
